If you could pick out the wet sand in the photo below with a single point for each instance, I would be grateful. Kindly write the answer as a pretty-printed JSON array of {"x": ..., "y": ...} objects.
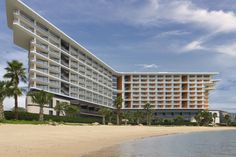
[{"x": 74, "y": 141}]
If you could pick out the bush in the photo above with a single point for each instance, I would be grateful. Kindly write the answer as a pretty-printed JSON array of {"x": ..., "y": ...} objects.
[
  {"x": 168, "y": 122},
  {"x": 34, "y": 117}
]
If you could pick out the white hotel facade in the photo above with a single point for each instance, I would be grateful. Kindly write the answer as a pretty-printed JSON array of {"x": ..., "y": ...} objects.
[{"x": 61, "y": 66}]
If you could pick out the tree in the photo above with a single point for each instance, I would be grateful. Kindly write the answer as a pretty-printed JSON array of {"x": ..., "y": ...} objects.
[
  {"x": 16, "y": 73},
  {"x": 138, "y": 114},
  {"x": 110, "y": 115},
  {"x": 214, "y": 115},
  {"x": 148, "y": 112},
  {"x": 60, "y": 108},
  {"x": 4, "y": 92},
  {"x": 179, "y": 120},
  {"x": 227, "y": 119},
  {"x": 204, "y": 118},
  {"x": 118, "y": 105},
  {"x": 72, "y": 110},
  {"x": 41, "y": 98},
  {"x": 198, "y": 119},
  {"x": 128, "y": 116},
  {"x": 104, "y": 112}
]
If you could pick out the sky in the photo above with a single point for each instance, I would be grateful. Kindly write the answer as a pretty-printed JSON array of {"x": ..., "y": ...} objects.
[{"x": 145, "y": 35}]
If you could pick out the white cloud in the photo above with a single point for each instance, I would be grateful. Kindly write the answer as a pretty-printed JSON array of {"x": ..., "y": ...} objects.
[
  {"x": 194, "y": 45},
  {"x": 228, "y": 49},
  {"x": 216, "y": 20},
  {"x": 148, "y": 66},
  {"x": 172, "y": 33},
  {"x": 155, "y": 12}
]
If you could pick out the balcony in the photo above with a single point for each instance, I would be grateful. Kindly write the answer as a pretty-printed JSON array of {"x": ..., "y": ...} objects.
[
  {"x": 65, "y": 46},
  {"x": 42, "y": 28},
  {"x": 54, "y": 37},
  {"x": 41, "y": 45},
  {"x": 64, "y": 60},
  {"x": 26, "y": 18},
  {"x": 54, "y": 53},
  {"x": 42, "y": 53}
]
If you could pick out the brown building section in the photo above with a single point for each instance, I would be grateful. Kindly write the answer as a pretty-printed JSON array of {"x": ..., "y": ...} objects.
[{"x": 119, "y": 83}]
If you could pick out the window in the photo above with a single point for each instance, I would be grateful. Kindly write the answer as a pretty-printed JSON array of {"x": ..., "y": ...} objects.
[
  {"x": 51, "y": 104},
  {"x": 50, "y": 112}
]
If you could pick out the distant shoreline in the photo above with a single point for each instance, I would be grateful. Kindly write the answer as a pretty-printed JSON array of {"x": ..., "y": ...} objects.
[{"x": 74, "y": 141}]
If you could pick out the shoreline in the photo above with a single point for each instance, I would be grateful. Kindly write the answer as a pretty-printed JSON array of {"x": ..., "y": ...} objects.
[{"x": 74, "y": 141}]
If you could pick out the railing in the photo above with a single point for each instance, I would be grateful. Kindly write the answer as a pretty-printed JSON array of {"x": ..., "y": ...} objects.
[
  {"x": 26, "y": 26},
  {"x": 64, "y": 63},
  {"x": 42, "y": 53},
  {"x": 42, "y": 63},
  {"x": 64, "y": 77},
  {"x": 27, "y": 19},
  {"x": 44, "y": 46}
]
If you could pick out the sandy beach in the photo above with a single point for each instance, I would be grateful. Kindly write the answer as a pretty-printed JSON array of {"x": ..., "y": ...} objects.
[{"x": 74, "y": 141}]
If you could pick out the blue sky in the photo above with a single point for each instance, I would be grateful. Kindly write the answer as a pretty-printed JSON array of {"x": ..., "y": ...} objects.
[{"x": 145, "y": 35}]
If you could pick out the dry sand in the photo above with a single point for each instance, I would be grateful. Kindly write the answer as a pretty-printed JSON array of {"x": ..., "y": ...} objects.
[{"x": 73, "y": 141}]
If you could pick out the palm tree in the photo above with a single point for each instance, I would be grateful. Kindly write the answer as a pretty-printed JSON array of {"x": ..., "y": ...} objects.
[
  {"x": 214, "y": 117},
  {"x": 148, "y": 111},
  {"x": 104, "y": 112},
  {"x": 138, "y": 115},
  {"x": 118, "y": 105},
  {"x": 16, "y": 73},
  {"x": 109, "y": 114},
  {"x": 71, "y": 110},
  {"x": 128, "y": 117},
  {"x": 4, "y": 92},
  {"x": 41, "y": 98},
  {"x": 60, "y": 108}
]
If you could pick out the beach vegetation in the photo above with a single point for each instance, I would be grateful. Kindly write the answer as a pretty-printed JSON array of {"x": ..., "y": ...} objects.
[
  {"x": 148, "y": 112},
  {"x": 4, "y": 92},
  {"x": 25, "y": 116},
  {"x": 71, "y": 110},
  {"x": 178, "y": 120},
  {"x": 41, "y": 98},
  {"x": 227, "y": 119},
  {"x": 138, "y": 115},
  {"x": 118, "y": 105},
  {"x": 60, "y": 108},
  {"x": 106, "y": 113},
  {"x": 15, "y": 72},
  {"x": 65, "y": 109},
  {"x": 204, "y": 118}
]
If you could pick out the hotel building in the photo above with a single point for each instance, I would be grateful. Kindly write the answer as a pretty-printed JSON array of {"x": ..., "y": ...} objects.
[{"x": 60, "y": 65}]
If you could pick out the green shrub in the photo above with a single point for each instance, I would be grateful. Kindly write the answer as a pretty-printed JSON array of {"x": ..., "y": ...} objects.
[{"x": 34, "y": 117}]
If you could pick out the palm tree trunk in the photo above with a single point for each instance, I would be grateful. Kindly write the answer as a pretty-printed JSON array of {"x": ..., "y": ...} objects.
[
  {"x": 138, "y": 121},
  {"x": 41, "y": 114},
  {"x": 117, "y": 119},
  {"x": 103, "y": 120},
  {"x": 147, "y": 118},
  {"x": 16, "y": 107},
  {"x": 2, "y": 117},
  {"x": 110, "y": 119}
]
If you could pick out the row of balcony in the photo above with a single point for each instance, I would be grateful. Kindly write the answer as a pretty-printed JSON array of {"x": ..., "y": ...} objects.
[
  {"x": 105, "y": 81},
  {"x": 46, "y": 34}
]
